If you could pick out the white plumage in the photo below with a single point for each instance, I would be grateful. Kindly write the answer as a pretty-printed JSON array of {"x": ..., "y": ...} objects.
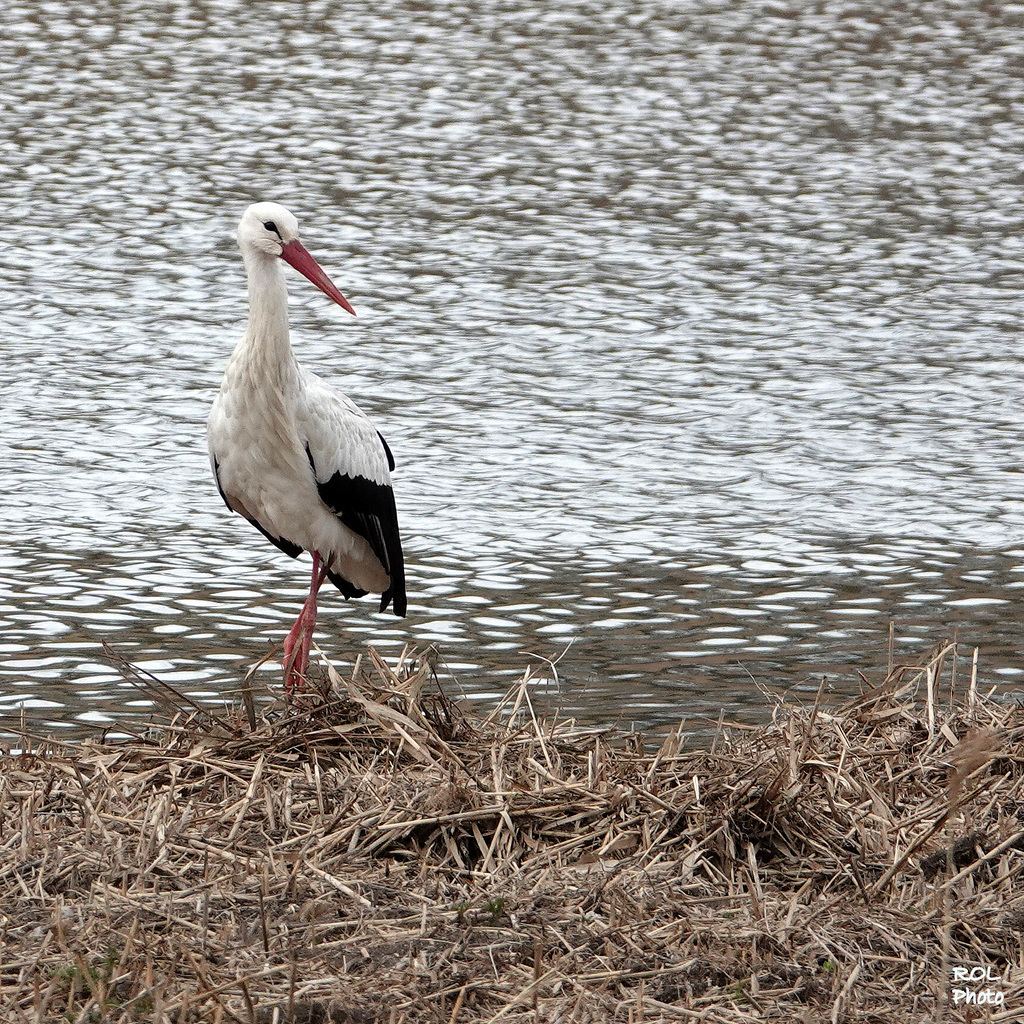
[{"x": 296, "y": 458}]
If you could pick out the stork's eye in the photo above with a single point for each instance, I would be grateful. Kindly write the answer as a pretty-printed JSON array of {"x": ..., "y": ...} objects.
[{"x": 271, "y": 226}]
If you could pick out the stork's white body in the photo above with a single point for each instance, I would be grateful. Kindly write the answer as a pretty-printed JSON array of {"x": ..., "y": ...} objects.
[
  {"x": 258, "y": 445},
  {"x": 291, "y": 454}
]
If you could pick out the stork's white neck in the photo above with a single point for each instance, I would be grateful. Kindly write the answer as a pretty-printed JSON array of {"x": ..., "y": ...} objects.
[{"x": 267, "y": 332}]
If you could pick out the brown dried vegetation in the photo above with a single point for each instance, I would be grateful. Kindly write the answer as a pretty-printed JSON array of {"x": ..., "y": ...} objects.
[{"x": 379, "y": 855}]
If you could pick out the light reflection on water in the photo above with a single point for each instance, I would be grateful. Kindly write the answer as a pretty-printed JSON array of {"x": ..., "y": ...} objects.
[
  {"x": 694, "y": 332},
  {"x": 640, "y": 643}
]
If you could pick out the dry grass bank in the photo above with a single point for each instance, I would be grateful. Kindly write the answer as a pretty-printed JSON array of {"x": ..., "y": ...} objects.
[{"x": 385, "y": 856}]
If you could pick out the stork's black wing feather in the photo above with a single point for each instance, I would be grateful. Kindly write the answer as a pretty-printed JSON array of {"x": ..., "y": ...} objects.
[
  {"x": 351, "y": 465},
  {"x": 368, "y": 508},
  {"x": 387, "y": 452},
  {"x": 345, "y": 587},
  {"x": 280, "y": 542}
]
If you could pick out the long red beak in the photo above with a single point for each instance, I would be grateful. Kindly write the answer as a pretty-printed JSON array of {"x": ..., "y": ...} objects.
[{"x": 294, "y": 253}]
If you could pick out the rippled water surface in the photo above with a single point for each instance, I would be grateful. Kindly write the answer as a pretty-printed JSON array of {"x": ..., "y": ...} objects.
[{"x": 694, "y": 328}]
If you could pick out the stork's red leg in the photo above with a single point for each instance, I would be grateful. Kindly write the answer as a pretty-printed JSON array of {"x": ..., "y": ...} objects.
[{"x": 299, "y": 638}]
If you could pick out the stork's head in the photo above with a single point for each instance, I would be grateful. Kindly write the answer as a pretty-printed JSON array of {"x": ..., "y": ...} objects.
[{"x": 269, "y": 229}]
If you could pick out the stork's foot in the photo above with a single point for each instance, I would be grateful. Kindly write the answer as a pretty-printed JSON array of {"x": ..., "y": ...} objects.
[{"x": 294, "y": 676}]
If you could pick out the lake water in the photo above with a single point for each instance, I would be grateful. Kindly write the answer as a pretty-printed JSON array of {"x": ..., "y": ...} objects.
[{"x": 694, "y": 328}]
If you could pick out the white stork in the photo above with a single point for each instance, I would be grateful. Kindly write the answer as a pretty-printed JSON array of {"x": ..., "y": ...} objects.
[{"x": 296, "y": 458}]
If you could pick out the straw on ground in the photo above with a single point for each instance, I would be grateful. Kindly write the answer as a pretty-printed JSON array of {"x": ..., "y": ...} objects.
[{"x": 384, "y": 855}]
